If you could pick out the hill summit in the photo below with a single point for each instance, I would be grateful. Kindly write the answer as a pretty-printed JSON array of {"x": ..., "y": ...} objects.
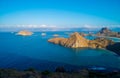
[{"x": 76, "y": 41}]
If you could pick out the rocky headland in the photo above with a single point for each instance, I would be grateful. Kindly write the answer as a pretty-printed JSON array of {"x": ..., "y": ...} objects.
[
  {"x": 24, "y": 33},
  {"x": 77, "y": 41}
]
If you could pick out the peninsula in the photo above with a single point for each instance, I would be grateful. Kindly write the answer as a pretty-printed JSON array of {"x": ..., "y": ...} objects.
[{"x": 77, "y": 41}]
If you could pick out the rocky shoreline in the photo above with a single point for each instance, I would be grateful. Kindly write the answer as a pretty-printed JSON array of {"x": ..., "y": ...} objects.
[{"x": 78, "y": 41}]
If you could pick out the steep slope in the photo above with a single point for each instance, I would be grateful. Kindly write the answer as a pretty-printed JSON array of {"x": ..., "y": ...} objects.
[
  {"x": 115, "y": 48},
  {"x": 76, "y": 41}
]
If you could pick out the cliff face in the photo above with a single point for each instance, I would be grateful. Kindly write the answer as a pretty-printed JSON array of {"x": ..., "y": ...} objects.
[
  {"x": 25, "y": 33},
  {"x": 76, "y": 41}
]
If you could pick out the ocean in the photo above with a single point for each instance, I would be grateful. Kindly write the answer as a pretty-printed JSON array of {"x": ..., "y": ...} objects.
[{"x": 22, "y": 52}]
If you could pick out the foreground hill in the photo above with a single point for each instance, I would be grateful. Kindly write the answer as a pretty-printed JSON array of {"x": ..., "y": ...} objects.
[
  {"x": 115, "y": 48},
  {"x": 60, "y": 72}
]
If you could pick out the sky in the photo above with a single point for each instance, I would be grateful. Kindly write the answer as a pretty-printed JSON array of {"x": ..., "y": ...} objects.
[{"x": 60, "y": 13}]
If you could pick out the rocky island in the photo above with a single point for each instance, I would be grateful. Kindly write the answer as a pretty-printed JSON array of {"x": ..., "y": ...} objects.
[
  {"x": 77, "y": 41},
  {"x": 25, "y": 33},
  {"x": 107, "y": 32}
]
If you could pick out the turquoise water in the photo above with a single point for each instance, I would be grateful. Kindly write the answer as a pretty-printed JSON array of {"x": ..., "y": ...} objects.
[{"x": 20, "y": 52}]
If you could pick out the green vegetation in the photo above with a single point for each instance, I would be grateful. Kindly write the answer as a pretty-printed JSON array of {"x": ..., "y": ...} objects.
[{"x": 60, "y": 72}]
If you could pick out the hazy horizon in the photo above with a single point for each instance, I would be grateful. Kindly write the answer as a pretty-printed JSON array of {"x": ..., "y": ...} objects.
[{"x": 62, "y": 13}]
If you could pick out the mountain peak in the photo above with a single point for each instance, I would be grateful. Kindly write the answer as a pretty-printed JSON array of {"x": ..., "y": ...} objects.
[
  {"x": 76, "y": 35},
  {"x": 76, "y": 40},
  {"x": 105, "y": 30}
]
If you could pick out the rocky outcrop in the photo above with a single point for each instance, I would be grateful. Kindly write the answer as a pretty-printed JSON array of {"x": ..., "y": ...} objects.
[
  {"x": 25, "y": 33},
  {"x": 76, "y": 41},
  {"x": 100, "y": 43},
  {"x": 104, "y": 31},
  {"x": 107, "y": 32},
  {"x": 58, "y": 40}
]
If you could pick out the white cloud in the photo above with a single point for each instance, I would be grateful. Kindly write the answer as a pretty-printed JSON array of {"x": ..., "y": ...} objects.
[
  {"x": 43, "y": 25},
  {"x": 87, "y": 26},
  {"x": 93, "y": 26},
  {"x": 46, "y": 26},
  {"x": 54, "y": 26}
]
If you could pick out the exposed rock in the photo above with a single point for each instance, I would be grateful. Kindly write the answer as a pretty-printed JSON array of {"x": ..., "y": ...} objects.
[
  {"x": 107, "y": 32},
  {"x": 104, "y": 31},
  {"x": 58, "y": 40},
  {"x": 100, "y": 43},
  {"x": 25, "y": 33},
  {"x": 76, "y": 41}
]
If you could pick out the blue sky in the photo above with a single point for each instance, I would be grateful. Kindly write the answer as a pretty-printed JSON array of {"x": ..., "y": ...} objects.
[{"x": 60, "y": 12}]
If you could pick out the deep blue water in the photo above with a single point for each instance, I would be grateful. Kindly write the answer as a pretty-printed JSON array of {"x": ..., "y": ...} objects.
[{"x": 34, "y": 51}]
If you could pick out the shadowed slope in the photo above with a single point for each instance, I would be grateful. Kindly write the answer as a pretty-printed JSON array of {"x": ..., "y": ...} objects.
[{"x": 115, "y": 48}]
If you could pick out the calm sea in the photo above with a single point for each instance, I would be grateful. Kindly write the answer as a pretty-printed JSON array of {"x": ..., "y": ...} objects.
[{"x": 34, "y": 51}]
